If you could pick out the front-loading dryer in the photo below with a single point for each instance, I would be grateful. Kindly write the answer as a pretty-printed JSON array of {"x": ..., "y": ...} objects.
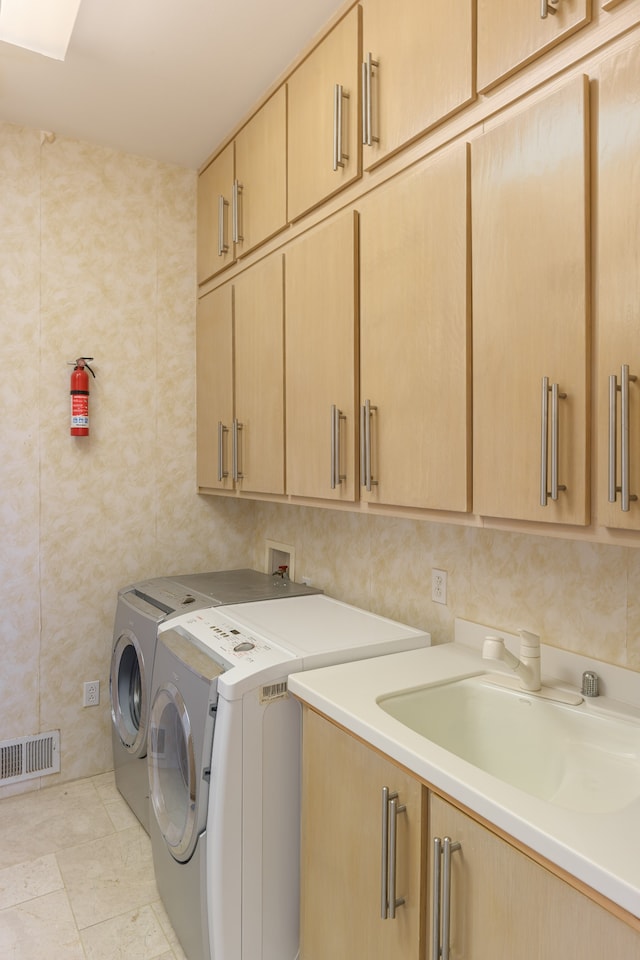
[
  {"x": 224, "y": 764},
  {"x": 140, "y": 608}
]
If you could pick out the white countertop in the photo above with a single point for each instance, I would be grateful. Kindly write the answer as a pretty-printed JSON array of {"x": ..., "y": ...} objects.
[{"x": 601, "y": 849}]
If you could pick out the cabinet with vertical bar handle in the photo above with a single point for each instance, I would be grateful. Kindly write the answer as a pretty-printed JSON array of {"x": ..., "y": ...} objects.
[
  {"x": 240, "y": 382},
  {"x": 324, "y": 150},
  {"x": 510, "y": 36},
  {"x": 242, "y": 193},
  {"x": 321, "y": 305},
  {"x": 530, "y": 215},
  {"x": 417, "y": 69},
  {"x": 362, "y": 890},
  {"x": 618, "y": 377}
]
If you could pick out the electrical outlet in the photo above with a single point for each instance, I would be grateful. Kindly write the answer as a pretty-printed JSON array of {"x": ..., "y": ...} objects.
[
  {"x": 91, "y": 693},
  {"x": 439, "y": 586}
]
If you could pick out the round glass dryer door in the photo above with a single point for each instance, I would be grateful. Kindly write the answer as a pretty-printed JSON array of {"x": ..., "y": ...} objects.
[
  {"x": 128, "y": 689},
  {"x": 172, "y": 772}
]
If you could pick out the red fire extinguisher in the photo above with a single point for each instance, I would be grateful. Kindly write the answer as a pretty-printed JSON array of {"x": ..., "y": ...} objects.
[{"x": 80, "y": 397}]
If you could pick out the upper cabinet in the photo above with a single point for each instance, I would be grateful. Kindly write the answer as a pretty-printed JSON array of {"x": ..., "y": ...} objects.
[
  {"x": 415, "y": 321},
  {"x": 324, "y": 147},
  {"x": 417, "y": 70},
  {"x": 242, "y": 193},
  {"x": 618, "y": 286},
  {"x": 321, "y": 361},
  {"x": 260, "y": 187},
  {"x": 215, "y": 194},
  {"x": 240, "y": 382},
  {"x": 514, "y": 33},
  {"x": 531, "y": 318}
]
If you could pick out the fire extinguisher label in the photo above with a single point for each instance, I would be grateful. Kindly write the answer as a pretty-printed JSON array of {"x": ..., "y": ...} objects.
[{"x": 79, "y": 410}]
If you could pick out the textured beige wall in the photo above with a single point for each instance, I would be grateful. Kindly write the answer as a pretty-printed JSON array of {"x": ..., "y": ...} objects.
[
  {"x": 97, "y": 258},
  {"x": 580, "y": 596}
]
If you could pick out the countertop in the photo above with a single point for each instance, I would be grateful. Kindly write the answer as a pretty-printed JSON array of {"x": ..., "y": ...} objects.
[{"x": 600, "y": 849}]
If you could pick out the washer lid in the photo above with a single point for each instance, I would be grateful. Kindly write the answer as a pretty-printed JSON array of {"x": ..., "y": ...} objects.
[{"x": 267, "y": 640}]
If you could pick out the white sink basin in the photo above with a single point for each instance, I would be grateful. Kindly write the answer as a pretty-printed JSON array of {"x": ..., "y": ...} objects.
[{"x": 573, "y": 756}]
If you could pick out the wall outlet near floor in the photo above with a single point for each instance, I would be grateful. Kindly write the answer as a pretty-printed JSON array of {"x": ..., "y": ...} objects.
[
  {"x": 91, "y": 693},
  {"x": 439, "y": 586}
]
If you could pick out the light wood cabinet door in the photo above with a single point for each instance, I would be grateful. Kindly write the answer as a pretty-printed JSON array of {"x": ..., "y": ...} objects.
[
  {"x": 530, "y": 302},
  {"x": 215, "y": 192},
  {"x": 261, "y": 174},
  {"x": 504, "y": 905},
  {"x": 341, "y": 890},
  {"x": 415, "y": 330},
  {"x": 618, "y": 286},
  {"x": 321, "y": 357},
  {"x": 511, "y": 35},
  {"x": 418, "y": 68},
  {"x": 259, "y": 376},
  {"x": 315, "y": 134},
  {"x": 214, "y": 388}
]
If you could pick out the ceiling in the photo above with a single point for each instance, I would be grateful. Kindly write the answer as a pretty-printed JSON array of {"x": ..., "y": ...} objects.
[{"x": 166, "y": 79}]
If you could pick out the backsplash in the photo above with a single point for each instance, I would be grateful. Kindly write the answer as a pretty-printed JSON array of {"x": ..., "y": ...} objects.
[{"x": 579, "y": 596}]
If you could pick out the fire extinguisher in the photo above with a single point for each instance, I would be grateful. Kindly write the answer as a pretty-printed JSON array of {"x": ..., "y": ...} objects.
[{"x": 80, "y": 397}]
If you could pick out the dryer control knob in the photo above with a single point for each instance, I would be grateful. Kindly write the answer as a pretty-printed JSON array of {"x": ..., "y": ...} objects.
[{"x": 243, "y": 647}]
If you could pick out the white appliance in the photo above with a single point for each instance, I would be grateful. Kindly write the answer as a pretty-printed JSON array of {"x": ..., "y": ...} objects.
[
  {"x": 140, "y": 608},
  {"x": 224, "y": 764}
]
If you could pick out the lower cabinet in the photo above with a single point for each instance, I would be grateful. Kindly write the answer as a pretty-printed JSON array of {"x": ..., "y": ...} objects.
[
  {"x": 494, "y": 903},
  {"x": 344, "y": 888}
]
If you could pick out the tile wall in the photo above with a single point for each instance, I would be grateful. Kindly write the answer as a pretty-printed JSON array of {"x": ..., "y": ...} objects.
[{"x": 97, "y": 258}]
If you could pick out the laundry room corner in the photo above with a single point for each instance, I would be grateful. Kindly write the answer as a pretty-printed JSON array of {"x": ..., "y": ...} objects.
[{"x": 98, "y": 252}]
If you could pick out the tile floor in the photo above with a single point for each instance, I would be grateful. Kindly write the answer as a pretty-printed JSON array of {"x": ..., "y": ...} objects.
[{"x": 76, "y": 878}]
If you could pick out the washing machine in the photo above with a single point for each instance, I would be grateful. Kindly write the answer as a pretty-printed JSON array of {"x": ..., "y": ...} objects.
[
  {"x": 140, "y": 608},
  {"x": 224, "y": 764}
]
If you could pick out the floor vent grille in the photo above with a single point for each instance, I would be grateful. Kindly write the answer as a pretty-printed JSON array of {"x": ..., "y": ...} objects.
[{"x": 27, "y": 757}]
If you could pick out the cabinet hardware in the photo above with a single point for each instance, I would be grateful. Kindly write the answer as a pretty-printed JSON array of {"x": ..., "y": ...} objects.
[
  {"x": 236, "y": 236},
  {"x": 222, "y": 473},
  {"x": 235, "y": 471},
  {"x": 366, "y": 478},
  {"x": 544, "y": 442},
  {"x": 367, "y": 103},
  {"x": 390, "y": 810},
  {"x": 223, "y": 247},
  {"x": 546, "y": 7},
  {"x": 339, "y": 156},
  {"x": 441, "y": 919},
  {"x": 625, "y": 379},
  {"x": 336, "y": 477}
]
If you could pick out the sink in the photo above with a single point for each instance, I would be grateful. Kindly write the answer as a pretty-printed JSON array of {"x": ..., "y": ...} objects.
[{"x": 577, "y": 757}]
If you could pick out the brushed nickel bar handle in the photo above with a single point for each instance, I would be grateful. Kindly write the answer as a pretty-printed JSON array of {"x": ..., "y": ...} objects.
[
  {"x": 544, "y": 447},
  {"x": 367, "y": 101},
  {"x": 448, "y": 847},
  {"x": 235, "y": 471},
  {"x": 394, "y": 809},
  {"x": 544, "y": 442},
  {"x": 546, "y": 7},
  {"x": 365, "y": 446},
  {"x": 339, "y": 156},
  {"x": 613, "y": 432},
  {"x": 222, "y": 473},
  {"x": 625, "y": 475},
  {"x": 336, "y": 416},
  {"x": 235, "y": 206},
  {"x": 384, "y": 860},
  {"x": 436, "y": 900},
  {"x": 222, "y": 246}
]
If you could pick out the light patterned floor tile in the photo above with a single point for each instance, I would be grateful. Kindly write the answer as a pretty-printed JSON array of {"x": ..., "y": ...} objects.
[
  {"x": 43, "y": 927},
  {"x": 131, "y": 936},
  {"x": 25, "y": 881},
  {"x": 109, "y": 876}
]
